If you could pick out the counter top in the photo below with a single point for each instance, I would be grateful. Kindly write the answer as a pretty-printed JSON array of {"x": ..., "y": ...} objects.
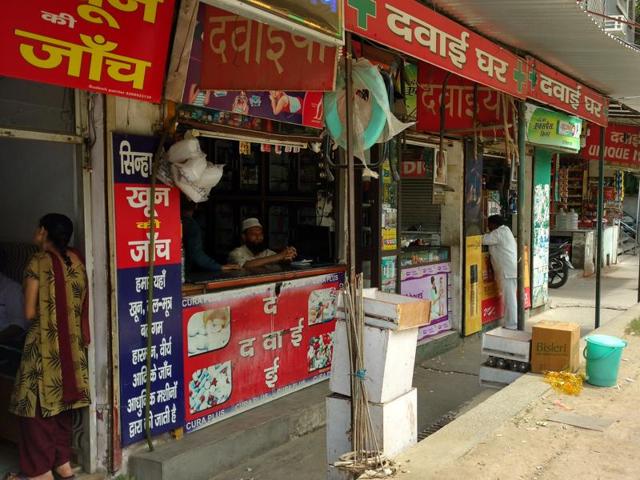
[{"x": 205, "y": 282}]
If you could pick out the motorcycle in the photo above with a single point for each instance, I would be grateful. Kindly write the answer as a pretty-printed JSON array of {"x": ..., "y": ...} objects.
[{"x": 559, "y": 265}]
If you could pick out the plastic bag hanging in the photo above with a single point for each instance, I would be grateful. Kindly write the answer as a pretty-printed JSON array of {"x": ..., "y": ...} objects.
[{"x": 373, "y": 121}]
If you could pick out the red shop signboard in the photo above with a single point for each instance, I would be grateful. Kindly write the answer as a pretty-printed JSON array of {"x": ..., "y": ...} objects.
[
  {"x": 243, "y": 54},
  {"x": 459, "y": 99},
  {"x": 622, "y": 145},
  {"x": 418, "y": 31},
  {"x": 246, "y": 346},
  {"x": 116, "y": 47},
  {"x": 551, "y": 87}
]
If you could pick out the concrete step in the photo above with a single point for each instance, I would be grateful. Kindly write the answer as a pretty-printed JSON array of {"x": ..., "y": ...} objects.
[{"x": 214, "y": 449}]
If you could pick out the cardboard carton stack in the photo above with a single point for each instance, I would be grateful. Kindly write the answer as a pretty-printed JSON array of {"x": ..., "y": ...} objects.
[{"x": 390, "y": 337}]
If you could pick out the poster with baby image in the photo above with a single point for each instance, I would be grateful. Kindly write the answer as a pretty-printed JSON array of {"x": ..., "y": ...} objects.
[
  {"x": 208, "y": 330},
  {"x": 246, "y": 346},
  {"x": 322, "y": 305}
]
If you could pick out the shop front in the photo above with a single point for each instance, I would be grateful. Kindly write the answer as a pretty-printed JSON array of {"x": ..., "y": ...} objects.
[{"x": 223, "y": 342}]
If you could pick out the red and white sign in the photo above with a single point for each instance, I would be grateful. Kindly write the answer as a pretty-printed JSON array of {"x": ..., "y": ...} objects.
[
  {"x": 413, "y": 169},
  {"x": 622, "y": 145},
  {"x": 418, "y": 31},
  {"x": 459, "y": 99},
  {"x": 243, "y": 54},
  {"x": 114, "y": 47},
  {"x": 132, "y": 213},
  {"x": 244, "y": 346},
  {"x": 551, "y": 87}
]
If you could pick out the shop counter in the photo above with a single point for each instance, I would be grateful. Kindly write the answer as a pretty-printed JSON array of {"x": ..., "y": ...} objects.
[
  {"x": 249, "y": 339},
  {"x": 207, "y": 282}
]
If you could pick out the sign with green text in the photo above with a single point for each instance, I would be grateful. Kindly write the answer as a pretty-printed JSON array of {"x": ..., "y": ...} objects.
[{"x": 555, "y": 130}]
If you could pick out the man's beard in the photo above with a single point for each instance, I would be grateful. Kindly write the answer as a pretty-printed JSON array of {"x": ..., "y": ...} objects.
[{"x": 256, "y": 248}]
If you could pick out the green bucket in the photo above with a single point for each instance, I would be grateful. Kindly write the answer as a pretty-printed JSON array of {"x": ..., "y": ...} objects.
[{"x": 603, "y": 354}]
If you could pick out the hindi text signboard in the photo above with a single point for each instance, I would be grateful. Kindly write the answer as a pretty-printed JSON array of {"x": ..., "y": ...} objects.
[
  {"x": 105, "y": 46},
  {"x": 622, "y": 145},
  {"x": 132, "y": 209},
  {"x": 418, "y": 31},
  {"x": 246, "y": 346},
  {"x": 243, "y": 54},
  {"x": 551, "y": 87}
]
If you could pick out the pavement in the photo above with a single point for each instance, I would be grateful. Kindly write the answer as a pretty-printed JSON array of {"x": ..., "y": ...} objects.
[{"x": 511, "y": 436}]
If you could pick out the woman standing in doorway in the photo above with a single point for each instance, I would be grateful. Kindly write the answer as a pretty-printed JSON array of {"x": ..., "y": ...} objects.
[{"x": 53, "y": 375}]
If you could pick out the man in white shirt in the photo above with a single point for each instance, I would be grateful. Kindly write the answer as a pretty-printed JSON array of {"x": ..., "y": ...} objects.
[
  {"x": 503, "y": 250},
  {"x": 254, "y": 253},
  {"x": 12, "y": 321}
]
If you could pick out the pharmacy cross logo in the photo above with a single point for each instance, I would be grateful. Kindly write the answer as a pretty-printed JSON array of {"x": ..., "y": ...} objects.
[
  {"x": 519, "y": 76},
  {"x": 365, "y": 8},
  {"x": 533, "y": 78}
]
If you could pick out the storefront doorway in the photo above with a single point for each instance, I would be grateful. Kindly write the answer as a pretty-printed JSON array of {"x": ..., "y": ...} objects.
[{"x": 41, "y": 167}]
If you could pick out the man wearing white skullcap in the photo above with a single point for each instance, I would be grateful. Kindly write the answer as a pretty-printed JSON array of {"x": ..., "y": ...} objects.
[{"x": 254, "y": 253}]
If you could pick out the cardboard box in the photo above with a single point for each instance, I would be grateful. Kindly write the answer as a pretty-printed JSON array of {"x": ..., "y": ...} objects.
[
  {"x": 555, "y": 346},
  {"x": 388, "y": 310}
]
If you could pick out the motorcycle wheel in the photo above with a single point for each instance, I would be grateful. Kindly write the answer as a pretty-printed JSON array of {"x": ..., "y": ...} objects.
[{"x": 558, "y": 273}]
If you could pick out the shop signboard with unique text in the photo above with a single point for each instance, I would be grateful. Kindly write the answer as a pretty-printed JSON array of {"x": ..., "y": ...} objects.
[
  {"x": 245, "y": 347},
  {"x": 417, "y": 30},
  {"x": 113, "y": 47},
  {"x": 622, "y": 145},
  {"x": 132, "y": 205}
]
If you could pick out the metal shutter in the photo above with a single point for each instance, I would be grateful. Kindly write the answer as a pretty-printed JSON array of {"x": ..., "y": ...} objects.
[{"x": 416, "y": 197}]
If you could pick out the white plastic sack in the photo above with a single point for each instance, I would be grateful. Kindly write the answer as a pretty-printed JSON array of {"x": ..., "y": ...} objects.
[
  {"x": 211, "y": 176},
  {"x": 193, "y": 192},
  {"x": 192, "y": 168},
  {"x": 184, "y": 149}
]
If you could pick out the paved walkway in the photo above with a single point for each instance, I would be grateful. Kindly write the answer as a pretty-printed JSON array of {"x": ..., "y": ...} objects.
[{"x": 510, "y": 435}]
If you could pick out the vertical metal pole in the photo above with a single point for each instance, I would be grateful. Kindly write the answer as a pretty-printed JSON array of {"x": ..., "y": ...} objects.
[
  {"x": 351, "y": 210},
  {"x": 351, "y": 216},
  {"x": 599, "y": 220},
  {"x": 522, "y": 151}
]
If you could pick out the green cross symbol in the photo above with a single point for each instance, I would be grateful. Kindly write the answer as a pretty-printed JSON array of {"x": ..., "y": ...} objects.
[
  {"x": 519, "y": 76},
  {"x": 365, "y": 8},
  {"x": 533, "y": 78}
]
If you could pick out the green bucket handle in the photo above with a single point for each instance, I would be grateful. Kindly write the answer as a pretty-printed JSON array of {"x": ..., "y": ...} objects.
[{"x": 612, "y": 349}]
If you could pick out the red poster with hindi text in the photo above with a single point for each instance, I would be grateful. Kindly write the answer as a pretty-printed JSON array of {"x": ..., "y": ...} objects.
[
  {"x": 243, "y": 54},
  {"x": 115, "y": 47},
  {"x": 243, "y": 347}
]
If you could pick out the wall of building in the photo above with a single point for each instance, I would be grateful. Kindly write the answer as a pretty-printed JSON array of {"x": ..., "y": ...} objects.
[{"x": 451, "y": 226}]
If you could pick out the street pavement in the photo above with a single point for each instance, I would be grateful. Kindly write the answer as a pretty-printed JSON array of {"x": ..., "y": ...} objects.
[{"x": 500, "y": 440}]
